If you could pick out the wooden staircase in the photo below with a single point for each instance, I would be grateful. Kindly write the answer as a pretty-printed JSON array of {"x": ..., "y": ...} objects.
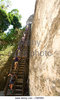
[{"x": 21, "y": 83}]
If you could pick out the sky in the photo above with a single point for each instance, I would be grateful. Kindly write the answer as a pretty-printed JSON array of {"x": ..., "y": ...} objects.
[{"x": 25, "y": 7}]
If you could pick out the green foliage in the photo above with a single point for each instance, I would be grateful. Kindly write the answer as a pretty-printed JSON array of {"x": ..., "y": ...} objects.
[
  {"x": 2, "y": 35},
  {"x": 10, "y": 37},
  {"x": 15, "y": 12},
  {"x": 15, "y": 22},
  {"x": 15, "y": 18},
  {"x": 7, "y": 39},
  {"x": 12, "y": 18},
  {"x": 4, "y": 20}
]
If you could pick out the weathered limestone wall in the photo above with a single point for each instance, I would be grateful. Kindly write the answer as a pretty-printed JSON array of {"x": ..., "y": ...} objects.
[{"x": 44, "y": 67}]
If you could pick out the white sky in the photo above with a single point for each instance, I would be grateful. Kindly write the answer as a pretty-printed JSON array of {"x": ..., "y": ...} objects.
[{"x": 25, "y": 7}]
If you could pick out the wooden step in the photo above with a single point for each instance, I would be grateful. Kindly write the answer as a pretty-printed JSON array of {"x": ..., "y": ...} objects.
[
  {"x": 20, "y": 76},
  {"x": 22, "y": 60},
  {"x": 21, "y": 70},
  {"x": 14, "y": 71},
  {"x": 18, "y": 86},
  {"x": 18, "y": 90},
  {"x": 19, "y": 80},
  {"x": 20, "y": 73},
  {"x": 18, "y": 94},
  {"x": 21, "y": 65}
]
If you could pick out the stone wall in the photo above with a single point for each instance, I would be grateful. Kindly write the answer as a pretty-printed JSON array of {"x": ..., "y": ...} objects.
[{"x": 44, "y": 65}]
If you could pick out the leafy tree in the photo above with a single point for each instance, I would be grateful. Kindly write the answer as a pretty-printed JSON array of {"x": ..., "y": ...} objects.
[
  {"x": 15, "y": 12},
  {"x": 10, "y": 37},
  {"x": 2, "y": 36},
  {"x": 4, "y": 20},
  {"x": 15, "y": 22},
  {"x": 15, "y": 18}
]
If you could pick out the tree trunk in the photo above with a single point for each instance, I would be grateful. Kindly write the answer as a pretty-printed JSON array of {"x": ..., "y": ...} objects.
[{"x": 44, "y": 65}]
